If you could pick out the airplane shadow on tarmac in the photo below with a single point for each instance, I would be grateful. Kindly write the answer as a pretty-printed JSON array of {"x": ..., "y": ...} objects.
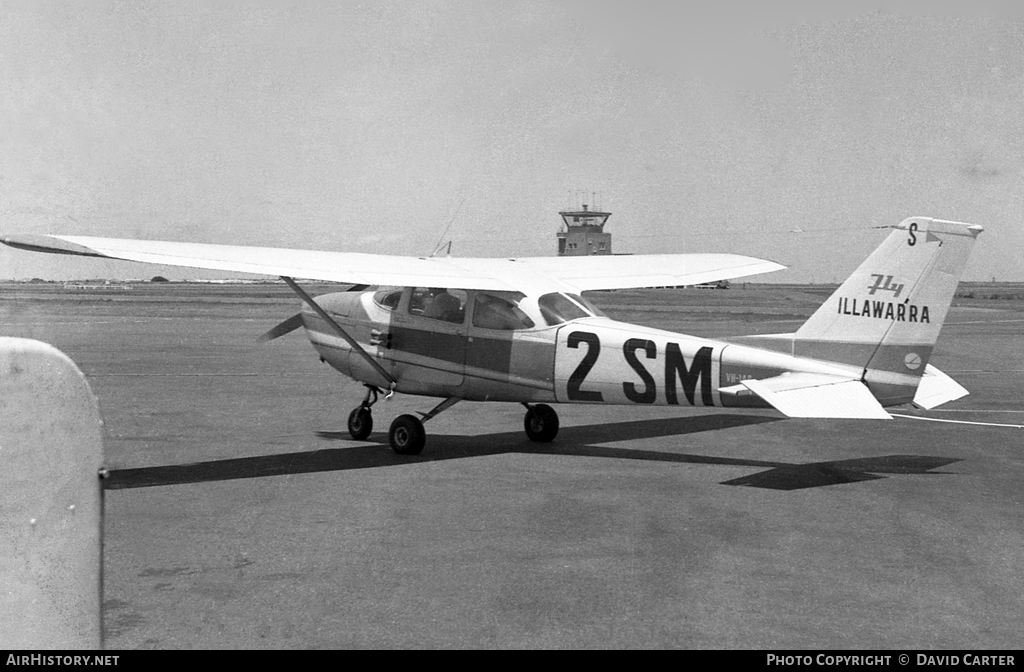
[{"x": 572, "y": 441}]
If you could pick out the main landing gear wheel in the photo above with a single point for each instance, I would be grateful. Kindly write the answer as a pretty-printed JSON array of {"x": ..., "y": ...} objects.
[
  {"x": 407, "y": 435},
  {"x": 360, "y": 423},
  {"x": 541, "y": 423}
]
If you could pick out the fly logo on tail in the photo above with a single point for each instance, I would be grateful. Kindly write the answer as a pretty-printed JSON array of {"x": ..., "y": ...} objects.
[{"x": 887, "y": 287}]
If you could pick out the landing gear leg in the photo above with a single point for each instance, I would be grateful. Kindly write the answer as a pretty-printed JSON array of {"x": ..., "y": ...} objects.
[
  {"x": 360, "y": 420},
  {"x": 407, "y": 435},
  {"x": 540, "y": 423}
]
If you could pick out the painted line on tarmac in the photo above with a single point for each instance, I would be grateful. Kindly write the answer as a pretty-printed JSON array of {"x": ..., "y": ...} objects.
[
  {"x": 984, "y": 371},
  {"x": 956, "y": 422},
  {"x": 954, "y": 324},
  {"x": 974, "y": 410}
]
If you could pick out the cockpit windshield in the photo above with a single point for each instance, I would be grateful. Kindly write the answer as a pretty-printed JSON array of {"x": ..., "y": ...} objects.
[
  {"x": 591, "y": 308},
  {"x": 557, "y": 308}
]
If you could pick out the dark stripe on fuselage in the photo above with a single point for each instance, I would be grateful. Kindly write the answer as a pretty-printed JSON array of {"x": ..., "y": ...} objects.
[
  {"x": 433, "y": 344},
  {"x": 492, "y": 354}
]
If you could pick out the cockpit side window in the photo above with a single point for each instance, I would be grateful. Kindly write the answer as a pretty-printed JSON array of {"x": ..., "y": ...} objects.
[
  {"x": 436, "y": 303},
  {"x": 388, "y": 298},
  {"x": 497, "y": 312},
  {"x": 557, "y": 308}
]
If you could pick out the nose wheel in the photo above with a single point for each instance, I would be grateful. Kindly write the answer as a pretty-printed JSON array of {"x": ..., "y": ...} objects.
[
  {"x": 360, "y": 420},
  {"x": 540, "y": 423},
  {"x": 360, "y": 423}
]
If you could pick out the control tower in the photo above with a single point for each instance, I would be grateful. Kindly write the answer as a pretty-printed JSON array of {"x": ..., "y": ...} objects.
[{"x": 583, "y": 233}]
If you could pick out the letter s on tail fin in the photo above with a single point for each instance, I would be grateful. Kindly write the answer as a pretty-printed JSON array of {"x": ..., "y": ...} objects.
[{"x": 886, "y": 317}]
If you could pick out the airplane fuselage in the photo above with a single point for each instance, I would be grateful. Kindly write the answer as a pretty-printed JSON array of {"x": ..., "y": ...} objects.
[{"x": 589, "y": 359}]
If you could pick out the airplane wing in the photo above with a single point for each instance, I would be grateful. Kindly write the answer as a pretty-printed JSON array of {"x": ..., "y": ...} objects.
[
  {"x": 648, "y": 270},
  {"x": 815, "y": 395},
  {"x": 526, "y": 274}
]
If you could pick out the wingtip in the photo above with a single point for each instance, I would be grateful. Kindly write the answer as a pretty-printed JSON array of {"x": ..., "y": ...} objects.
[
  {"x": 770, "y": 266},
  {"x": 36, "y": 242}
]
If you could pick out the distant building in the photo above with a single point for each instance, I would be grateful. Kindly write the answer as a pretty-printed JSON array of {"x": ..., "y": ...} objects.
[{"x": 583, "y": 233}]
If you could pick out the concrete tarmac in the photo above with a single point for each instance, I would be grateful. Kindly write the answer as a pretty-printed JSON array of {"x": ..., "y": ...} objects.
[{"x": 239, "y": 514}]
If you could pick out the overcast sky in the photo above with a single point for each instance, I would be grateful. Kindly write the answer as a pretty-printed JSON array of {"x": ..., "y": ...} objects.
[{"x": 786, "y": 133}]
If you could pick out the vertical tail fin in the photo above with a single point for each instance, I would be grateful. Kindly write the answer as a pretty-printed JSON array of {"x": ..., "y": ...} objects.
[{"x": 886, "y": 317}]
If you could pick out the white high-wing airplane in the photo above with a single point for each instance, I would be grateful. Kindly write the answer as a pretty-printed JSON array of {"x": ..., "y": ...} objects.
[{"x": 517, "y": 330}]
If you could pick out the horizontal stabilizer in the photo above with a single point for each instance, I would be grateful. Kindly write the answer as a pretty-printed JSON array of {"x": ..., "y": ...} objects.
[
  {"x": 936, "y": 388},
  {"x": 816, "y": 395}
]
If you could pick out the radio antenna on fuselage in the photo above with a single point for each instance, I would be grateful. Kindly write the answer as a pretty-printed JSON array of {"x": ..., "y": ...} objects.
[{"x": 440, "y": 243}]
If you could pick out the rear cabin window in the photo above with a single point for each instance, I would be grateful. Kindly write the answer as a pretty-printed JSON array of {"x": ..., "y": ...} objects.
[{"x": 497, "y": 312}]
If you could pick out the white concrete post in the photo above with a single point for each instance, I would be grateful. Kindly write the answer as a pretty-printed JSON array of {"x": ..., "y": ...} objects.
[{"x": 51, "y": 503}]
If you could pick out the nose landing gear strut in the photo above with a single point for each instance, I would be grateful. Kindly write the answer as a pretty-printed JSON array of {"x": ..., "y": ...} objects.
[{"x": 360, "y": 420}]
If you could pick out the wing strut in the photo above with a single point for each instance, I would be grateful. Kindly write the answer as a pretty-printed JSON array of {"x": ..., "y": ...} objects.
[{"x": 341, "y": 332}]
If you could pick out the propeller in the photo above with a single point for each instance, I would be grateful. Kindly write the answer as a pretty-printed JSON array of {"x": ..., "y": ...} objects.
[{"x": 288, "y": 326}]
